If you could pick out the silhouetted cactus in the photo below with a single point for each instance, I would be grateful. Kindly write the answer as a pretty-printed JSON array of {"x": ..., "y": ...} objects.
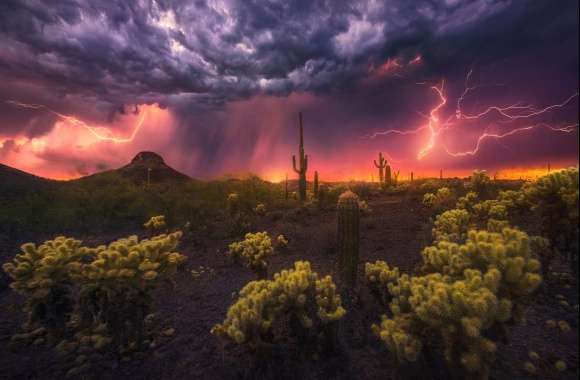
[
  {"x": 303, "y": 164},
  {"x": 395, "y": 180},
  {"x": 315, "y": 185},
  {"x": 388, "y": 178},
  {"x": 441, "y": 174},
  {"x": 381, "y": 166},
  {"x": 348, "y": 236},
  {"x": 412, "y": 177},
  {"x": 286, "y": 187}
]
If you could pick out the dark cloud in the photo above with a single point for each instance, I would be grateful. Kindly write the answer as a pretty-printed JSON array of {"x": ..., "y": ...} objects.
[{"x": 100, "y": 58}]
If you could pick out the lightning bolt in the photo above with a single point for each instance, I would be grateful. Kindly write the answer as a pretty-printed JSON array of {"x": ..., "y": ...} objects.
[
  {"x": 507, "y": 114},
  {"x": 485, "y": 136},
  {"x": 74, "y": 121}
]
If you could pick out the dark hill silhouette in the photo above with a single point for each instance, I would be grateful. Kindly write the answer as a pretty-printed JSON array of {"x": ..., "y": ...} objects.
[
  {"x": 144, "y": 166},
  {"x": 148, "y": 166}
]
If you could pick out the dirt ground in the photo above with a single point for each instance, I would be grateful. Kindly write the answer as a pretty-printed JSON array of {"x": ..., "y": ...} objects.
[{"x": 396, "y": 231}]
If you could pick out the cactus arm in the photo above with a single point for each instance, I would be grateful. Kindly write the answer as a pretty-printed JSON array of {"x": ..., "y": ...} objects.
[{"x": 294, "y": 164}]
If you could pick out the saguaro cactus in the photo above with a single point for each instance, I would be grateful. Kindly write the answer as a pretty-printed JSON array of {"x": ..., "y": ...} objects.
[
  {"x": 396, "y": 178},
  {"x": 348, "y": 236},
  {"x": 303, "y": 164},
  {"x": 381, "y": 166},
  {"x": 440, "y": 173},
  {"x": 315, "y": 185},
  {"x": 286, "y": 187},
  {"x": 388, "y": 179},
  {"x": 412, "y": 177}
]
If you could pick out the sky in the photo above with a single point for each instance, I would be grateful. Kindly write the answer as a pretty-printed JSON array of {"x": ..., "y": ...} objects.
[{"x": 216, "y": 86}]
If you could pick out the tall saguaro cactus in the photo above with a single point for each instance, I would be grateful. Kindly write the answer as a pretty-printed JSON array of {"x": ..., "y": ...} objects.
[
  {"x": 381, "y": 166},
  {"x": 388, "y": 178},
  {"x": 348, "y": 236},
  {"x": 286, "y": 187},
  {"x": 315, "y": 185},
  {"x": 303, "y": 163}
]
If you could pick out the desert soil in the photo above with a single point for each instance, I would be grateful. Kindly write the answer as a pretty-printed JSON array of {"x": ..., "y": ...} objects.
[{"x": 396, "y": 231}]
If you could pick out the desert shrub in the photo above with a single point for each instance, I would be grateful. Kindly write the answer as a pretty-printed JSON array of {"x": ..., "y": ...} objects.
[
  {"x": 93, "y": 297},
  {"x": 254, "y": 251},
  {"x": 480, "y": 183},
  {"x": 363, "y": 189},
  {"x": 310, "y": 302},
  {"x": 555, "y": 197},
  {"x": 430, "y": 186},
  {"x": 281, "y": 243},
  {"x": 364, "y": 208},
  {"x": 260, "y": 209},
  {"x": 467, "y": 201},
  {"x": 398, "y": 189},
  {"x": 155, "y": 223},
  {"x": 452, "y": 226},
  {"x": 442, "y": 199},
  {"x": 467, "y": 291},
  {"x": 46, "y": 276},
  {"x": 116, "y": 286}
]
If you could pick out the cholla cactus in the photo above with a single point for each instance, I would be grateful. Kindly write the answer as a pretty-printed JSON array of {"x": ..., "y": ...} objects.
[
  {"x": 467, "y": 201},
  {"x": 441, "y": 200},
  {"x": 380, "y": 277},
  {"x": 117, "y": 284},
  {"x": 455, "y": 311},
  {"x": 505, "y": 259},
  {"x": 466, "y": 289},
  {"x": 296, "y": 292},
  {"x": 281, "y": 243},
  {"x": 555, "y": 196},
  {"x": 155, "y": 223},
  {"x": 45, "y": 275},
  {"x": 348, "y": 235},
  {"x": 451, "y": 226},
  {"x": 255, "y": 249},
  {"x": 260, "y": 209},
  {"x": 480, "y": 182}
]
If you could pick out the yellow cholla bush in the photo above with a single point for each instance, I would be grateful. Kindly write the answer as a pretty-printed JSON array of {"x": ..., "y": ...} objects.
[
  {"x": 555, "y": 197},
  {"x": 255, "y": 249},
  {"x": 465, "y": 290},
  {"x": 505, "y": 258},
  {"x": 452, "y": 226},
  {"x": 131, "y": 260},
  {"x": 380, "y": 277},
  {"x": 156, "y": 223},
  {"x": 116, "y": 286},
  {"x": 45, "y": 275},
  {"x": 480, "y": 182},
  {"x": 440, "y": 200},
  {"x": 260, "y": 209},
  {"x": 454, "y": 311},
  {"x": 467, "y": 201},
  {"x": 296, "y": 293}
]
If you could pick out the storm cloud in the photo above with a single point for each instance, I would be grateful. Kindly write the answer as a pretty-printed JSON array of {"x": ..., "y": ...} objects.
[{"x": 352, "y": 67}]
